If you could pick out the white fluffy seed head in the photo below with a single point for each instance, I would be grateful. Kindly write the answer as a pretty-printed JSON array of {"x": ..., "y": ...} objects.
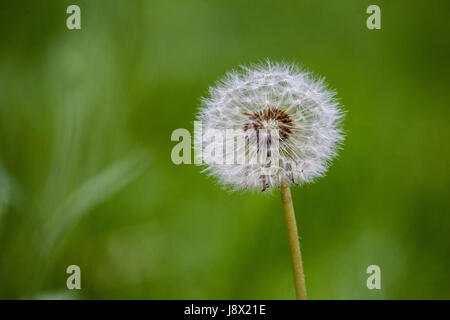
[{"x": 258, "y": 100}]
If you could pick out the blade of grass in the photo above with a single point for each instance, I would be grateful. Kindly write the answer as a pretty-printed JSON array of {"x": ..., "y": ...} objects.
[{"x": 91, "y": 193}]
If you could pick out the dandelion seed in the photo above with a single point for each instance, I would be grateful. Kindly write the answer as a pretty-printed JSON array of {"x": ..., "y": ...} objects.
[{"x": 280, "y": 99}]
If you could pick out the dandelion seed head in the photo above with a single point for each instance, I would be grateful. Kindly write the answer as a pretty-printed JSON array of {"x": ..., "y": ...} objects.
[{"x": 266, "y": 98}]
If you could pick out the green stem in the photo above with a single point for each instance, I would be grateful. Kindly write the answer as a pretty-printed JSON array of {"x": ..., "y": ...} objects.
[{"x": 296, "y": 256}]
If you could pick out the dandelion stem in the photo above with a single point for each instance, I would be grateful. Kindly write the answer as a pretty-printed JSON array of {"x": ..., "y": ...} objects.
[{"x": 296, "y": 256}]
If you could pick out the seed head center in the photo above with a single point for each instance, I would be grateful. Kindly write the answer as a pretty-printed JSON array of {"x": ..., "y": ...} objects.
[{"x": 270, "y": 119}]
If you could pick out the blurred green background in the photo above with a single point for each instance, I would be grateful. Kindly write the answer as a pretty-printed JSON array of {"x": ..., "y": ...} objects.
[{"x": 86, "y": 176}]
